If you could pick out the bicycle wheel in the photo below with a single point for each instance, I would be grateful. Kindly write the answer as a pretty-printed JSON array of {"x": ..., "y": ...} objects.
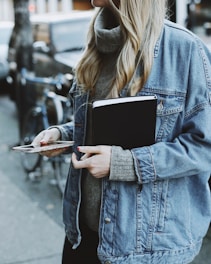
[
  {"x": 61, "y": 166},
  {"x": 32, "y": 126},
  {"x": 54, "y": 109}
]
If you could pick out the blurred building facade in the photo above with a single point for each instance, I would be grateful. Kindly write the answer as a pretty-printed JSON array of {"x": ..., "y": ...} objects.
[{"x": 43, "y": 6}]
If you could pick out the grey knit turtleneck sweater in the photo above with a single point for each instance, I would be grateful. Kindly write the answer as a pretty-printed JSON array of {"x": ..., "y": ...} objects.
[{"x": 108, "y": 40}]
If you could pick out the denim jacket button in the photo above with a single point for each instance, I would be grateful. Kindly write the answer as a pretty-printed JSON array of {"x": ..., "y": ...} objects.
[
  {"x": 107, "y": 262},
  {"x": 160, "y": 106},
  {"x": 107, "y": 221}
]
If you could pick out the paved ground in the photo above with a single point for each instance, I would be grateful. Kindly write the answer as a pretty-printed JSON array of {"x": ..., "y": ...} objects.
[{"x": 31, "y": 227}]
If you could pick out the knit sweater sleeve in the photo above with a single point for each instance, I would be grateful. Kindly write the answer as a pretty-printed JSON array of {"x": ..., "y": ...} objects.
[{"x": 122, "y": 165}]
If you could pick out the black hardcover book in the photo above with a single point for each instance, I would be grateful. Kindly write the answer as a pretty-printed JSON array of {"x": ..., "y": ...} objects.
[{"x": 128, "y": 122}]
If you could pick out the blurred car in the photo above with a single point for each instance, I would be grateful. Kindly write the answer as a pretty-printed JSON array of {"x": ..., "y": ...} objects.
[
  {"x": 5, "y": 33},
  {"x": 59, "y": 40}
]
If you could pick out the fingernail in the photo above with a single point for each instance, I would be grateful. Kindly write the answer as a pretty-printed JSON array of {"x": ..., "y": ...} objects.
[{"x": 43, "y": 143}]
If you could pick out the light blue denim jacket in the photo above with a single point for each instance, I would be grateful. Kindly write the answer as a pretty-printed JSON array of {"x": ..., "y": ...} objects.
[{"x": 166, "y": 220}]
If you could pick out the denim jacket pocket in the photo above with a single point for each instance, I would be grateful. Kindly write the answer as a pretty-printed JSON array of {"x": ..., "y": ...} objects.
[
  {"x": 162, "y": 208},
  {"x": 169, "y": 116}
]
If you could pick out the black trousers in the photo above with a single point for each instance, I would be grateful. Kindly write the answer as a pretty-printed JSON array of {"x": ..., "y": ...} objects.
[{"x": 85, "y": 253}]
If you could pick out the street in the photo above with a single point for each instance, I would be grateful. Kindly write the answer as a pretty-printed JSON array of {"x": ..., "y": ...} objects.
[{"x": 31, "y": 212}]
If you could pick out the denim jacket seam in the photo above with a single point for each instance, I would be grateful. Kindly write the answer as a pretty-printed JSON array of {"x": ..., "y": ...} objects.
[
  {"x": 196, "y": 109},
  {"x": 205, "y": 64}
]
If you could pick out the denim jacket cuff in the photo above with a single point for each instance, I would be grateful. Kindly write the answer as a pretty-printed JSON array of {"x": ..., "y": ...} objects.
[
  {"x": 62, "y": 130},
  {"x": 143, "y": 161}
]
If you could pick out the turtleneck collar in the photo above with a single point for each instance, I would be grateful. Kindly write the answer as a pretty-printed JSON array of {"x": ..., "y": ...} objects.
[{"x": 108, "y": 36}]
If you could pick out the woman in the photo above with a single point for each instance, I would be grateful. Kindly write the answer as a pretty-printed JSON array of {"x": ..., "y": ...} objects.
[{"x": 147, "y": 204}]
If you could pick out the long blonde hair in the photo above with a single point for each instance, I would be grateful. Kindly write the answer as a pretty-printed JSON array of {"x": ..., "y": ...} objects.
[{"x": 141, "y": 22}]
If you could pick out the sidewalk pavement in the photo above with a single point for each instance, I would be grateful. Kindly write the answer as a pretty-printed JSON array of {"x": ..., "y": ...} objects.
[
  {"x": 28, "y": 235},
  {"x": 31, "y": 231}
]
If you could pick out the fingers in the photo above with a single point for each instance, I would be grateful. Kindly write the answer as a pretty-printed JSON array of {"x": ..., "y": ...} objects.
[
  {"x": 52, "y": 153},
  {"x": 96, "y": 160},
  {"x": 90, "y": 149},
  {"x": 38, "y": 138},
  {"x": 49, "y": 136},
  {"x": 84, "y": 161},
  {"x": 75, "y": 162},
  {"x": 46, "y": 136},
  {"x": 79, "y": 164},
  {"x": 85, "y": 156}
]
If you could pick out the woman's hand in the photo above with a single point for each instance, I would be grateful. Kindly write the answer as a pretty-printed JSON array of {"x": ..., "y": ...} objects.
[
  {"x": 46, "y": 137},
  {"x": 96, "y": 160}
]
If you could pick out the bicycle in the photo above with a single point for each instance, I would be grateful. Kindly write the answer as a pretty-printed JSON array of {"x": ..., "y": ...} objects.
[{"x": 49, "y": 109}]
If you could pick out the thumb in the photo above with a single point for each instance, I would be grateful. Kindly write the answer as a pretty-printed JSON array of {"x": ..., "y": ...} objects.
[
  {"x": 50, "y": 135},
  {"x": 45, "y": 139},
  {"x": 89, "y": 149}
]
